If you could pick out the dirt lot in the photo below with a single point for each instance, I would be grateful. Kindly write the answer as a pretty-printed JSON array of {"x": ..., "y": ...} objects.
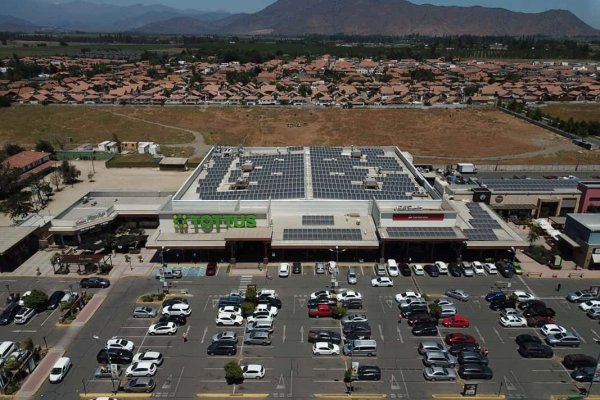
[
  {"x": 433, "y": 135},
  {"x": 585, "y": 112}
]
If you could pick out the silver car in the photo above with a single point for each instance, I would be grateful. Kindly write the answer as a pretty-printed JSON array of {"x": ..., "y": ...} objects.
[
  {"x": 439, "y": 374},
  {"x": 258, "y": 337},
  {"x": 346, "y": 319},
  {"x": 439, "y": 359},
  {"x": 352, "y": 277},
  {"x": 563, "y": 339},
  {"x": 428, "y": 346},
  {"x": 458, "y": 294},
  {"x": 320, "y": 268},
  {"x": 144, "y": 312}
]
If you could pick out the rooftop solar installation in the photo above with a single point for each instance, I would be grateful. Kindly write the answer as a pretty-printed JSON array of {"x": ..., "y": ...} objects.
[
  {"x": 529, "y": 185},
  {"x": 322, "y": 234},
  {"x": 420, "y": 232},
  {"x": 317, "y": 220},
  {"x": 482, "y": 222}
]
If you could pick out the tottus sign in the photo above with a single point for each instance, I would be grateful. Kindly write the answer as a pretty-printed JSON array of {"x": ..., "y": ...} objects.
[{"x": 208, "y": 222}]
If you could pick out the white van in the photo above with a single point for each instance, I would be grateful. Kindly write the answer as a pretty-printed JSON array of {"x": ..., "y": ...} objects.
[
  {"x": 6, "y": 348},
  {"x": 392, "y": 267},
  {"x": 490, "y": 268},
  {"x": 442, "y": 267},
  {"x": 60, "y": 369}
]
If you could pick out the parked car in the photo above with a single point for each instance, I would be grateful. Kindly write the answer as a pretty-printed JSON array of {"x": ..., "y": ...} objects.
[
  {"x": 324, "y": 335},
  {"x": 94, "y": 282},
  {"x": 576, "y": 361},
  {"x": 579, "y": 296},
  {"x": 104, "y": 372},
  {"x": 348, "y": 294},
  {"x": 490, "y": 268},
  {"x": 368, "y": 373},
  {"x": 425, "y": 329},
  {"x": 326, "y": 348},
  {"x": 457, "y": 321},
  {"x": 120, "y": 344},
  {"x": 319, "y": 268},
  {"x": 472, "y": 357},
  {"x": 296, "y": 267},
  {"x": 563, "y": 339},
  {"x": 353, "y": 304},
  {"x": 491, "y": 296},
  {"x": 539, "y": 311},
  {"x": 140, "y": 385},
  {"x": 502, "y": 303},
  {"x": 270, "y": 301},
  {"x": 392, "y": 267},
  {"x": 475, "y": 371},
  {"x": 588, "y": 305},
  {"x": 174, "y": 300},
  {"x": 162, "y": 328},
  {"x": 458, "y": 294},
  {"x": 593, "y": 313},
  {"x": 550, "y": 329},
  {"x": 525, "y": 305},
  {"x": 179, "y": 320},
  {"x": 260, "y": 316},
  {"x": 453, "y": 338},
  {"x": 439, "y": 359},
  {"x": 357, "y": 327},
  {"x": 522, "y": 295},
  {"x": 539, "y": 321},
  {"x": 467, "y": 269},
  {"x": 407, "y": 295},
  {"x": 418, "y": 269},
  {"x": 353, "y": 317},
  {"x": 478, "y": 268},
  {"x": 141, "y": 368},
  {"x": 177, "y": 309},
  {"x": 585, "y": 374},
  {"x": 432, "y": 271},
  {"x": 24, "y": 315},
  {"x": 59, "y": 369},
  {"x": 54, "y": 299},
  {"x": 405, "y": 270},
  {"x": 430, "y": 345},
  {"x": 352, "y": 277},
  {"x": 512, "y": 321},
  {"x": 527, "y": 338},
  {"x": 225, "y": 335},
  {"x": 506, "y": 270},
  {"x": 258, "y": 337},
  {"x": 229, "y": 319},
  {"x": 222, "y": 348},
  {"x": 439, "y": 374},
  {"x": 114, "y": 356},
  {"x": 253, "y": 371},
  {"x": 458, "y": 348},
  {"x": 211, "y": 269},
  {"x": 380, "y": 269},
  {"x": 535, "y": 350},
  {"x": 454, "y": 270},
  {"x": 382, "y": 281},
  {"x": 284, "y": 270},
  {"x": 144, "y": 312},
  {"x": 9, "y": 313},
  {"x": 149, "y": 356},
  {"x": 442, "y": 267}
]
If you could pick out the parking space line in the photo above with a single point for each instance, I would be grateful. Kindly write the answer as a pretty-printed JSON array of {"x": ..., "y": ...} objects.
[
  {"x": 283, "y": 334},
  {"x": 399, "y": 334},
  {"x": 382, "y": 306},
  {"x": 381, "y": 332},
  {"x": 498, "y": 334},
  {"x": 580, "y": 337},
  {"x": 595, "y": 333},
  {"x": 302, "y": 334},
  {"x": 48, "y": 317},
  {"x": 480, "y": 335},
  {"x": 526, "y": 285},
  {"x": 206, "y": 304},
  {"x": 403, "y": 381}
]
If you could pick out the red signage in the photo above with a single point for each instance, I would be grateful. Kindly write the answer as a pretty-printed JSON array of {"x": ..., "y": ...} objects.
[{"x": 418, "y": 217}]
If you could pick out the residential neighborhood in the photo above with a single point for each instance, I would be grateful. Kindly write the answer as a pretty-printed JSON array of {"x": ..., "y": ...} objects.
[{"x": 323, "y": 81}]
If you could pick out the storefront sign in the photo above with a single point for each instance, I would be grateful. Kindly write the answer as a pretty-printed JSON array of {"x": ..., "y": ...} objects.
[
  {"x": 417, "y": 217},
  {"x": 499, "y": 199},
  {"x": 208, "y": 222}
]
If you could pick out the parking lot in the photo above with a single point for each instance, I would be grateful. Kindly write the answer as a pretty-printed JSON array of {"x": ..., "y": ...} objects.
[{"x": 291, "y": 369}]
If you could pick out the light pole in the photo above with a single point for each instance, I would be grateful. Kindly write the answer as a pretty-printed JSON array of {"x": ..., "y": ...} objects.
[
  {"x": 93, "y": 156},
  {"x": 112, "y": 378},
  {"x": 337, "y": 251},
  {"x": 589, "y": 391}
]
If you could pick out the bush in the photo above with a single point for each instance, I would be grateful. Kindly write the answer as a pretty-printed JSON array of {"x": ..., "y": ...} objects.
[
  {"x": 539, "y": 254},
  {"x": 150, "y": 297},
  {"x": 247, "y": 308},
  {"x": 27, "y": 344},
  {"x": 251, "y": 294},
  {"x": 233, "y": 373},
  {"x": 435, "y": 310},
  {"x": 11, "y": 363},
  {"x": 36, "y": 300},
  {"x": 65, "y": 305},
  {"x": 105, "y": 268},
  {"x": 339, "y": 311}
]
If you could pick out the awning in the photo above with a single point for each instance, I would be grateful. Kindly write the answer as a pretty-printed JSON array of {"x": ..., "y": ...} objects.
[
  {"x": 569, "y": 241},
  {"x": 596, "y": 258}
]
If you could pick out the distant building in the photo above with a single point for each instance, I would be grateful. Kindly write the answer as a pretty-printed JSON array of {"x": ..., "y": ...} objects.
[
  {"x": 582, "y": 235},
  {"x": 31, "y": 163},
  {"x": 108, "y": 146},
  {"x": 590, "y": 195}
]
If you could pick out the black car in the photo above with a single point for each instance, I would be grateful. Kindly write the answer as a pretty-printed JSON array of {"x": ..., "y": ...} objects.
[
  {"x": 472, "y": 357},
  {"x": 269, "y": 301},
  {"x": 178, "y": 319},
  {"x": 296, "y": 267},
  {"x": 324, "y": 335},
  {"x": 502, "y": 303},
  {"x": 432, "y": 270},
  {"x": 117, "y": 356},
  {"x": 369, "y": 373},
  {"x": 454, "y": 270},
  {"x": 353, "y": 304},
  {"x": 222, "y": 348},
  {"x": 538, "y": 311},
  {"x": 425, "y": 330},
  {"x": 9, "y": 313},
  {"x": 54, "y": 299},
  {"x": 585, "y": 374},
  {"x": 421, "y": 318},
  {"x": 504, "y": 269},
  {"x": 408, "y": 312},
  {"x": 475, "y": 371},
  {"x": 313, "y": 303},
  {"x": 174, "y": 300},
  {"x": 525, "y": 305},
  {"x": 94, "y": 282},
  {"x": 405, "y": 270},
  {"x": 357, "y": 328},
  {"x": 535, "y": 350},
  {"x": 229, "y": 301},
  {"x": 576, "y": 361},
  {"x": 357, "y": 336},
  {"x": 458, "y": 348},
  {"x": 526, "y": 338}
]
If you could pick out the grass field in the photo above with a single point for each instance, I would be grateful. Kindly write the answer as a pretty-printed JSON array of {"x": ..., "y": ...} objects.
[
  {"x": 24, "y": 49},
  {"x": 579, "y": 112},
  {"x": 432, "y": 135}
]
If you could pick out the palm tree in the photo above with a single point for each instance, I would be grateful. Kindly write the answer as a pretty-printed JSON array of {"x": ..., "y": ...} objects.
[{"x": 533, "y": 235}]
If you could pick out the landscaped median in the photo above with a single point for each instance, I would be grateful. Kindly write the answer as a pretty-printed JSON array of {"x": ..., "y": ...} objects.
[
  {"x": 158, "y": 298},
  {"x": 115, "y": 396}
]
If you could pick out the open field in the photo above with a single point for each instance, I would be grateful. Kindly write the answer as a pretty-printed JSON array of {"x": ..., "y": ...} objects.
[
  {"x": 432, "y": 135},
  {"x": 46, "y": 49},
  {"x": 579, "y": 112}
]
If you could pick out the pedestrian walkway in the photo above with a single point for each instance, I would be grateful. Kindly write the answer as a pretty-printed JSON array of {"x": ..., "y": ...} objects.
[{"x": 245, "y": 280}]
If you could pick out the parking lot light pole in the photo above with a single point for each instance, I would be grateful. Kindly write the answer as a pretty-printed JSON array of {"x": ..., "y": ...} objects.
[
  {"x": 589, "y": 391},
  {"x": 112, "y": 378},
  {"x": 337, "y": 251}
]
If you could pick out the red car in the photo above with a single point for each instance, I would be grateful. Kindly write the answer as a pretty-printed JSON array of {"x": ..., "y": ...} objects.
[
  {"x": 211, "y": 269},
  {"x": 454, "y": 338},
  {"x": 457, "y": 321},
  {"x": 539, "y": 321}
]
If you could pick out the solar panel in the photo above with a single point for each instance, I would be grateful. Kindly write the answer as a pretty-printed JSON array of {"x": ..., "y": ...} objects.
[
  {"x": 317, "y": 220},
  {"x": 420, "y": 232},
  {"x": 313, "y": 234},
  {"x": 531, "y": 185}
]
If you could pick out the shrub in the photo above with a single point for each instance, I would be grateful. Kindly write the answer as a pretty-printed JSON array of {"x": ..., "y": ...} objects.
[
  {"x": 539, "y": 254},
  {"x": 27, "y": 344},
  {"x": 233, "y": 373},
  {"x": 247, "y": 308},
  {"x": 65, "y": 305},
  {"x": 251, "y": 293},
  {"x": 36, "y": 300},
  {"x": 435, "y": 310},
  {"x": 11, "y": 363},
  {"x": 105, "y": 268},
  {"x": 339, "y": 311}
]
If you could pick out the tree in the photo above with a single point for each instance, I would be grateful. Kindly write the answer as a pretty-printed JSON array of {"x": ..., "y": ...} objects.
[
  {"x": 4, "y": 101},
  {"x": 250, "y": 294},
  {"x": 435, "y": 310},
  {"x": 339, "y": 312},
  {"x": 247, "y": 308},
  {"x": 56, "y": 179},
  {"x": 11, "y": 149},
  {"x": 9, "y": 180},
  {"x": 36, "y": 300},
  {"x": 69, "y": 172},
  {"x": 17, "y": 206},
  {"x": 533, "y": 235},
  {"x": 44, "y": 145},
  {"x": 233, "y": 373}
]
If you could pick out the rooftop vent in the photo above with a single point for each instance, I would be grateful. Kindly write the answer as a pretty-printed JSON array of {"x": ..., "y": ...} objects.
[
  {"x": 370, "y": 183},
  {"x": 356, "y": 153},
  {"x": 248, "y": 166},
  {"x": 241, "y": 184}
]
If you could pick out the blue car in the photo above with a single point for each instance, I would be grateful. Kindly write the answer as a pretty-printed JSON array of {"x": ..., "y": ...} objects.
[{"x": 491, "y": 296}]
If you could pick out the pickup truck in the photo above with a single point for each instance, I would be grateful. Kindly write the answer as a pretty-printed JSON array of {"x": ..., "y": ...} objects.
[{"x": 321, "y": 310}]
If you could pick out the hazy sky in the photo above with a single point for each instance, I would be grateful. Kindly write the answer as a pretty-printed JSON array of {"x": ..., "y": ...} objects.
[{"x": 587, "y": 10}]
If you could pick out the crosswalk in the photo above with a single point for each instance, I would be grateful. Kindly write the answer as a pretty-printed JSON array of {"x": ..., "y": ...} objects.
[{"x": 245, "y": 280}]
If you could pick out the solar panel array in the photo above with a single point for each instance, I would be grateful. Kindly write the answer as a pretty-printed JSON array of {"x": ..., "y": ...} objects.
[
  {"x": 322, "y": 234},
  {"x": 333, "y": 174},
  {"x": 317, "y": 220},
  {"x": 530, "y": 185},
  {"x": 420, "y": 232},
  {"x": 483, "y": 224},
  {"x": 273, "y": 176}
]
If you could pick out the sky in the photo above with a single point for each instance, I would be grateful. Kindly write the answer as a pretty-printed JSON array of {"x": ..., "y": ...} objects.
[{"x": 587, "y": 10}]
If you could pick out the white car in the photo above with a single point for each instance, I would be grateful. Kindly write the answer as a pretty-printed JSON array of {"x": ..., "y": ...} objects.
[
  {"x": 162, "y": 328},
  {"x": 253, "y": 371},
  {"x": 230, "y": 309},
  {"x": 24, "y": 315},
  {"x": 523, "y": 296},
  {"x": 259, "y": 317},
  {"x": 149, "y": 356},
  {"x": 142, "y": 368},
  {"x": 442, "y": 267},
  {"x": 409, "y": 294},
  {"x": 511, "y": 311},
  {"x": 348, "y": 294},
  {"x": 478, "y": 268},
  {"x": 589, "y": 304},
  {"x": 490, "y": 268},
  {"x": 22, "y": 298},
  {"x": 229, "y": 319},
  {"x": 550, "y": 329},
  {"x": 512, "y": 321},
  {"x": 120, "y": 344},
  {"x": 392, "y": 267},
  {"x": 326, "y": 349},
  {"x": 178, "y": 309},
  {"x": 382, "y": 281},
  {"x": 284, "y": 270},
  {"x": 418, "y": 269},
  {"x": 267, "y": 308},
  {"x": 320, "y": 294}
]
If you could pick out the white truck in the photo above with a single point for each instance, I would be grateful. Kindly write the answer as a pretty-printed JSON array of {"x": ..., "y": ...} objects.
[{"x": 466, "y": 168}]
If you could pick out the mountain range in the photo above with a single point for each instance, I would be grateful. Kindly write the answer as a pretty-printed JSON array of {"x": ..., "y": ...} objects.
[{"x": 292, "y": 17}]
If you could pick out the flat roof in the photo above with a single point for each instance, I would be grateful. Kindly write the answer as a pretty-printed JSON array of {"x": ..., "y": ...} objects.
[
  {"x": 12, "y": 235},
  {"x": 530, "y": 185},
  {"x": 589, "y": 220},
  {"x": 279, "y": 173}
]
